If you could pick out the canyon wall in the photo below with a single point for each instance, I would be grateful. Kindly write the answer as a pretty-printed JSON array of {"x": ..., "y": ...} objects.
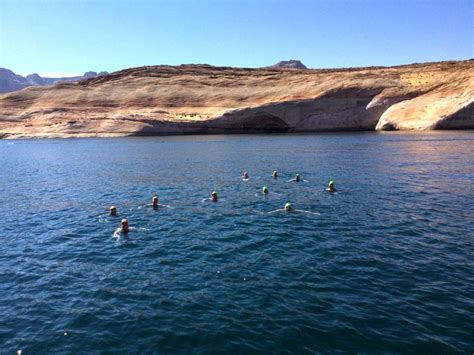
[{"x": 192, "y": 99}]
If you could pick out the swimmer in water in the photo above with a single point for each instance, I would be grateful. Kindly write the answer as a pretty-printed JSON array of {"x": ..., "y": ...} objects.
[
  {"x": 124, "y": 226},
  {"x": 275, "y": 175},
  {"x": 245, "y": 176},
  {"x": 112, "y": 213},
  {"x": 154, "y": 203},
  {"x": 297, "y": 178},
  {"x": 123, "y": 230},
  {"x": 266, "y": 193},
  {"x": 289, "y": 208},
  {"x": 213, "y": 197},
  {"x": 331, "y": 187}
]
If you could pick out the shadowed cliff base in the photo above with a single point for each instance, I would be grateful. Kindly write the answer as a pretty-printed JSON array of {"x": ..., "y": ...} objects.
[
  {"x": 200, "y": 99},
  {"x": 459, "y": 120}
]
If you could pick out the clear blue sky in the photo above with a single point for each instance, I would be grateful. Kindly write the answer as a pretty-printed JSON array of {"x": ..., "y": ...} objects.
[{"x": 76, "y": 36}]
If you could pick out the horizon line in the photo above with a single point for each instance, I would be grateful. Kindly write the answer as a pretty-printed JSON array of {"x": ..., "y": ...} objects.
[{"x": 65, "y": 74}]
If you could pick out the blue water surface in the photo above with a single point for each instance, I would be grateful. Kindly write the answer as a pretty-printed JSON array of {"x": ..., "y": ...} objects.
[{"x": 388, "y": 265}]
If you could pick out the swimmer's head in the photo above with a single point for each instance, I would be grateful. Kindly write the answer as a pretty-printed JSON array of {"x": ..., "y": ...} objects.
[
  {"x": 265, "y": 190},
  {"x": 297, "y": 177},
  {"x": 246, "y": 175},
  {"x": 214, "y": 196},
  {"x": 331, "y": 183},
  {"x": 113, "y": 210},
  {"x": 288, "y": 206},
  {"x": 124, "y": 225},
  {"x": 275, "y": 174},
  {"x": 154, "y": 200}
]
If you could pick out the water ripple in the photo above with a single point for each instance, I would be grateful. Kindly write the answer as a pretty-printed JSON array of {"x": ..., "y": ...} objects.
[{"x": 386, "y": 266}]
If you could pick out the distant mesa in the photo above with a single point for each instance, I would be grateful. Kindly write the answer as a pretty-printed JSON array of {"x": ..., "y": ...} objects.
[
  {"x": 35, "y": 79},
  {"x": 90, "y": 74},
  {"x": 9, "y": 81},
  {"x": 289, "y": 64}
]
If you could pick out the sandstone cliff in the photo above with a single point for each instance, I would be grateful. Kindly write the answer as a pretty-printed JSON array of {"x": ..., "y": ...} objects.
[{"x": 192, "y": 99}]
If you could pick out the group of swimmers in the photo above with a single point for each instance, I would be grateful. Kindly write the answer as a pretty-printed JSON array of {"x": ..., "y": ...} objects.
[{"x": 124, "y": 228}]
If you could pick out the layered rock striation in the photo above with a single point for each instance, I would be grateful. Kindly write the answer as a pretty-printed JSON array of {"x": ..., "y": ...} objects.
[{"x": 195, "y": 99}]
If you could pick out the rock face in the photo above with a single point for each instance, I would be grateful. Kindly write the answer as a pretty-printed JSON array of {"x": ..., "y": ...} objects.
[
  {"x": 9, "y": 81},
  {"x": 191, "y": 99}
]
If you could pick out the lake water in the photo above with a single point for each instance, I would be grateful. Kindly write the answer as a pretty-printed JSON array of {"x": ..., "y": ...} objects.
[{"x": 388, "y": 265}]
